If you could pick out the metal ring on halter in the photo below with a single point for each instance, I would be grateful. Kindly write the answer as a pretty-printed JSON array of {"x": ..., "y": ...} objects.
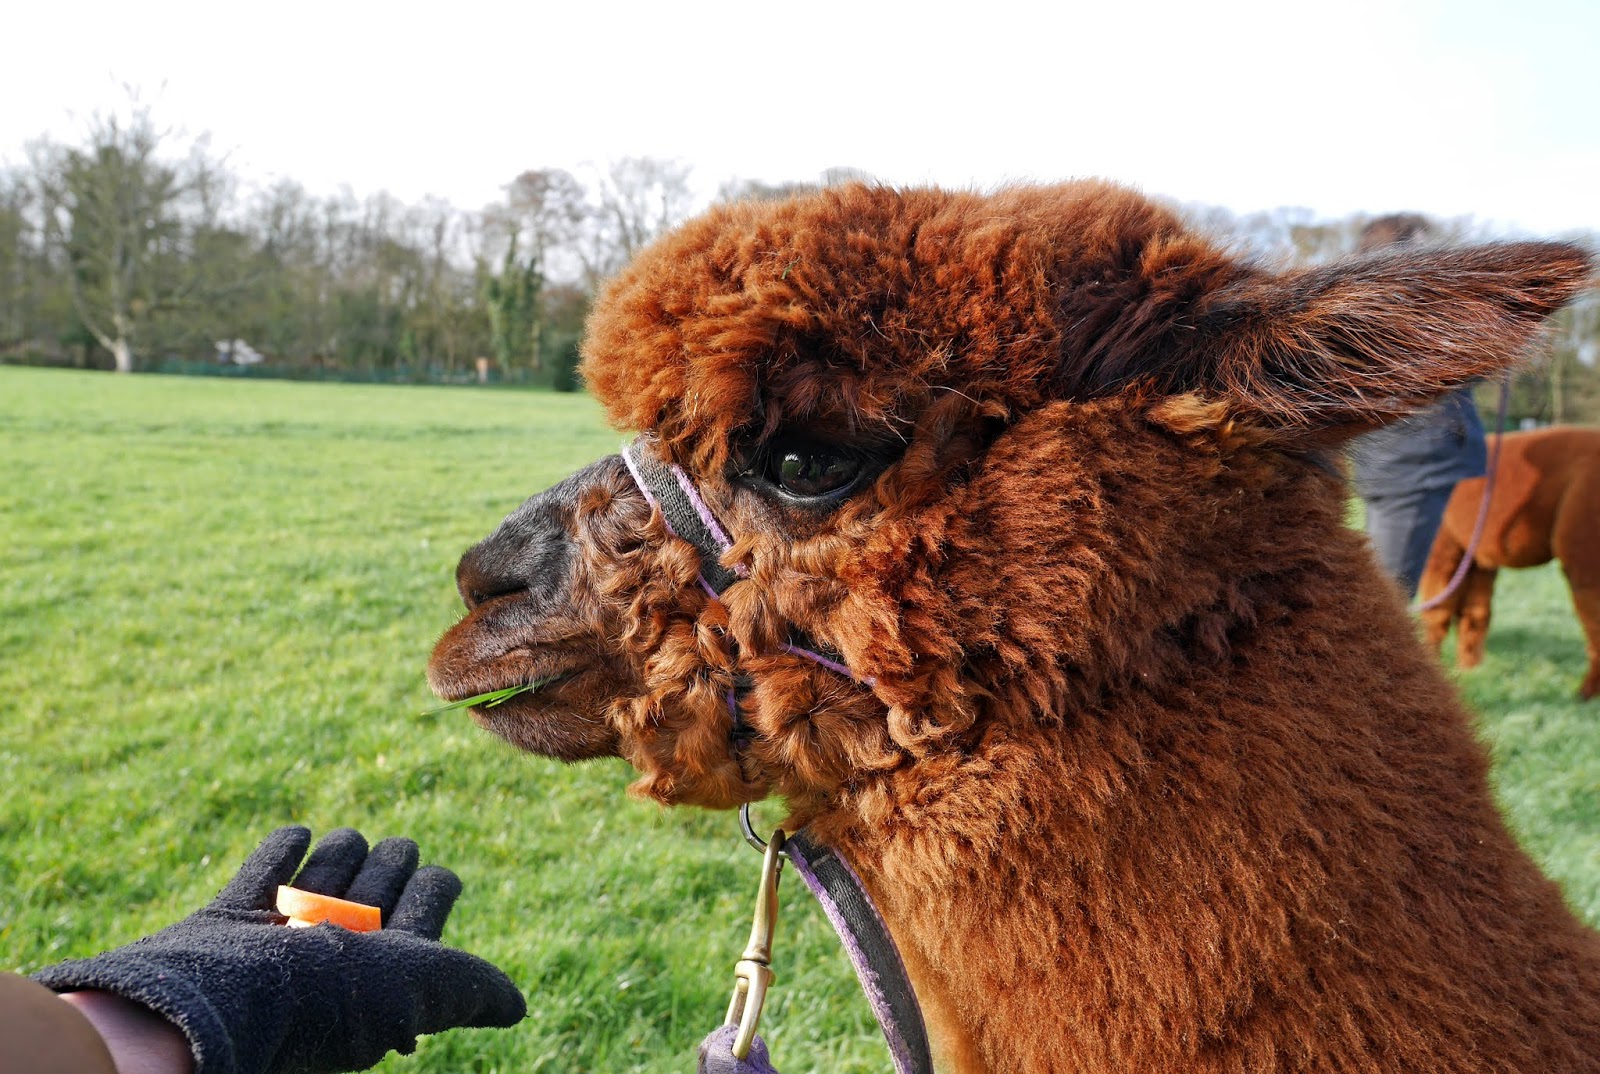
[{"x": 750, "y": 835}]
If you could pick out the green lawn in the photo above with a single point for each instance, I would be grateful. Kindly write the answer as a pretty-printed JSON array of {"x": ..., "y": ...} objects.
[{"x": 216, "y": 602}]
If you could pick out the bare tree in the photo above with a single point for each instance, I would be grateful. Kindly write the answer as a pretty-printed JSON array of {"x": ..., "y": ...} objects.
[
  {"x": 546, "y": 209},
  {"x": 512, "y": 300},
  {"x": 440, "y": 332},
  {"x": 20, "y": 266},
  {"x": 761, "y": 190},
  {"x": 638, "y": 198},
  {"x": 120, "y": 212},
  {"x": 539, "y": 222},
  {"x": 840, "y": 174},
  {"x": 1570, "y": 364}
]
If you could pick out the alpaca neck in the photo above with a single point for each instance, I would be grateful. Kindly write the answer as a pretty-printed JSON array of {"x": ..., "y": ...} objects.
[{"x": 1169, "y": 868}]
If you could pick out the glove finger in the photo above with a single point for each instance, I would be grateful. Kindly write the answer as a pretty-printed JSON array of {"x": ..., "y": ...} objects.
[
  {"x": 426, "y": 902},
  {"x": 469, "y": 991},
  {"x": 333, "y": 863},
  {"x": 384, "y": 874},
  {"x": 272, "y": 863}
]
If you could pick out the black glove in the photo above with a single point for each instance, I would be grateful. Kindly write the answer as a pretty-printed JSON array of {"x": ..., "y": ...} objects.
[{"x": 255, "y": 996}]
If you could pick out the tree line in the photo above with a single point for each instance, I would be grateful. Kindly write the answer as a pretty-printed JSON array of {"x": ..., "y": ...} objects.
[{"x": 138, "y": 249}]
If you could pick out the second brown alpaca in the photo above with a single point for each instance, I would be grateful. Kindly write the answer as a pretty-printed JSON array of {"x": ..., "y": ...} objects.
[
  {"x": 1545, "y": 505},
  {"x": 1139, "y": 754}
]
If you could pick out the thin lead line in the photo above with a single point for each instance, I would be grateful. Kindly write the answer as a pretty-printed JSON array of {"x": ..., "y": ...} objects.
[{"x": 711, "y": 526}]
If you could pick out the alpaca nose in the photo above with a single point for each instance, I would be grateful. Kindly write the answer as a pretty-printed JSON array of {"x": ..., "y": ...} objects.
[{"x": 530, "y": 553}]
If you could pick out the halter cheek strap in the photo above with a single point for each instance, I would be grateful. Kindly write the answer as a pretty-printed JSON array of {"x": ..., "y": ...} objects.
[
  {"x": 687, "y": 516},
  {"x": 667, "y": 487}
]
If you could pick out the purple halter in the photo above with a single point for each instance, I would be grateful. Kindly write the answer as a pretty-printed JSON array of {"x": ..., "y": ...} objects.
[
  {"x": 668, "y": 488},
  {"x": 844, "y": 898}
]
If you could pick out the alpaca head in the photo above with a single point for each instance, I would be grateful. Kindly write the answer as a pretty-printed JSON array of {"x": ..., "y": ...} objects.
[{"x": 998, "y": 454}]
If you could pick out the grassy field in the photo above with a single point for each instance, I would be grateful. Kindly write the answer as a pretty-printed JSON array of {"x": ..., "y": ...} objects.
[{"x": 216, "y": 602}]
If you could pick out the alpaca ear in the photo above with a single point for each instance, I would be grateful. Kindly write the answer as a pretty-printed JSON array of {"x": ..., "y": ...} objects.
[{"x": 1357, "y": 344}]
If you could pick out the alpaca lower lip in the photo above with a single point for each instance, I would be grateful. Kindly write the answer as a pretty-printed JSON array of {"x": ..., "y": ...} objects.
[{"x": 550, "y": 723}]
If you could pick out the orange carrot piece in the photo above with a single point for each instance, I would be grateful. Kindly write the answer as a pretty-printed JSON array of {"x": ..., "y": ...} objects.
[{"x": 306, "y": 908}]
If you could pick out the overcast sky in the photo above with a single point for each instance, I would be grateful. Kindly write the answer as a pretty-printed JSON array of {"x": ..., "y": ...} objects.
[{"x": 1451, "y": 108}]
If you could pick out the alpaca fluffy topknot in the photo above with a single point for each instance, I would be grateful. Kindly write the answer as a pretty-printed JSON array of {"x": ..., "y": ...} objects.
[
  {"x": 857, "y": 304},
  {"x": 853, "y": 306}
]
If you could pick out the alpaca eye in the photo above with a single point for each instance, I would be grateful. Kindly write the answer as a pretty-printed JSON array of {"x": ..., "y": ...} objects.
[{"x": 811, "y": 473}]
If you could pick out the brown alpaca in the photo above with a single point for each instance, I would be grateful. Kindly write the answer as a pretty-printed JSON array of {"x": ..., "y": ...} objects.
[
  {"x": 1546, "y": 505},
  {"x": 1146, "y": 766}
]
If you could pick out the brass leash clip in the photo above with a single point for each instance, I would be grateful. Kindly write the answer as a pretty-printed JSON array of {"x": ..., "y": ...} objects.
[{"x": 753, "y": 972}]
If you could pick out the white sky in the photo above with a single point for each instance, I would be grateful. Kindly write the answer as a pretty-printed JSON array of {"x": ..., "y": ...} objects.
[{"x": 1451, "y": 107}]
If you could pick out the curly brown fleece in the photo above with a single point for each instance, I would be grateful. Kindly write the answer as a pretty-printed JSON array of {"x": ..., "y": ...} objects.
[{"x": 1152, "y": 773}]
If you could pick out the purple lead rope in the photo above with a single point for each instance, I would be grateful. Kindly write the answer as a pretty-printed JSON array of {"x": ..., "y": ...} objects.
[
  {"x": 872, "y": 953},
  {"x": 716, "y": 1054},
  {"x": 635, "y": 471},
  {"x": 1489, "y": 474},
  {"x": 700, "y": 508}
]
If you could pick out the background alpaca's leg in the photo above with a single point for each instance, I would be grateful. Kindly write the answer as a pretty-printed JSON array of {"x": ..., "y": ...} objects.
[
  {"x": 1575, "y": 539},
  {"x": 1472, "y": 631},
  {"x": 1587, "y": 603},
  {"x": 1443, "y": 559}
]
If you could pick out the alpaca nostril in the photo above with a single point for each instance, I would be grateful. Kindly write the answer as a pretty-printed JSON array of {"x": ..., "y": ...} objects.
[
  {"x": 474, "y": 597},
  {"x": 525, "y": 556},
  {"x": 480, "y": 579},
  {"x": 532, "y": 551},
  {"x": 475, "y": 586}
]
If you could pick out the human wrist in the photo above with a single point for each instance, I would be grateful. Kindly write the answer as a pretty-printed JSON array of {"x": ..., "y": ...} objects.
[{"x": 140, "y": 1040}]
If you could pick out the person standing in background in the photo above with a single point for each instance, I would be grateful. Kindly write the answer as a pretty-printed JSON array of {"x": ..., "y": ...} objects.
[{"x": 1405, "y": 472}]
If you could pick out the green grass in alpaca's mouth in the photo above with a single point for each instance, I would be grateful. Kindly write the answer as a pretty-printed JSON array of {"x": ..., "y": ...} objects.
[{"x": 492, "y": 698}]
